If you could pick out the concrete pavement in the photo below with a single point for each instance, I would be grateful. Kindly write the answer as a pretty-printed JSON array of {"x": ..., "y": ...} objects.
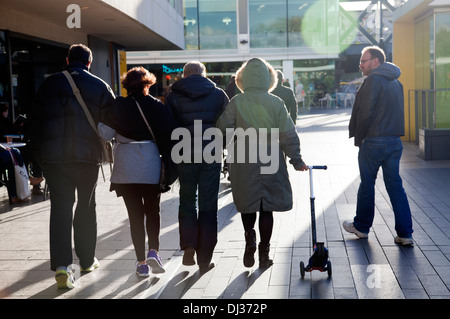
[{"x": 373, "y": 268}]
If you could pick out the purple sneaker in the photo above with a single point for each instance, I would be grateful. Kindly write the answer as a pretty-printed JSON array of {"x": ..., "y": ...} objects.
[
  {"x": 142, "y": 270},
  {"x": 154, "y": 261}
]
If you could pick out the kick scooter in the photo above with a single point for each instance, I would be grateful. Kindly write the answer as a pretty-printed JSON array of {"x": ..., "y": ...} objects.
[{"x": 319, "y": 259}]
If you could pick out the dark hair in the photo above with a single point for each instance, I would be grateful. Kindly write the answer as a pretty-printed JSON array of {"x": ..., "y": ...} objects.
[
  {"x": 79, "y": 53},
  {"x": 136, "y": 79}
]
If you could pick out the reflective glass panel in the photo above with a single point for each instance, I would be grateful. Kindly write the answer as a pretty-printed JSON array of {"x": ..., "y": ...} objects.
[
  {"x": 191, "y": 24},
  {"x": 442, "y": 43},
  {"x": 297, "y": 11},
  {"x": 218, "y": 25},
  {"x": 268, "y": 23}
]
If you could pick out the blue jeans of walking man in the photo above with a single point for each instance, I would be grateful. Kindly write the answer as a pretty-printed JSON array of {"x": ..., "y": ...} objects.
[
  {"x": 384, "y": 152},
  {"x": 199, "y": 183}
]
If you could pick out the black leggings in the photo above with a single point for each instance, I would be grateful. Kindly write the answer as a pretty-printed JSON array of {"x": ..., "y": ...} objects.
[
  {"x": 265, "y": 224},
  {"x": 143, "y": 202}
]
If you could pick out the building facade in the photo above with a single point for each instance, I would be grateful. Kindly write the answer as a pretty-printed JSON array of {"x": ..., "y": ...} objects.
[
  {"x": 35, "y": 36},
  {"x": 422, "y": 49},
  {"x": 316, "y": 43}
]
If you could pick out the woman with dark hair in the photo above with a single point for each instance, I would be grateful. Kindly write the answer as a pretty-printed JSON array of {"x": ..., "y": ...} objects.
[{"x": 137, "y": 161}]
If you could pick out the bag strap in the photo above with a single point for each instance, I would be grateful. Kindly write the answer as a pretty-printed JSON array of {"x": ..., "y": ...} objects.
[
  {"x": 13, "y": 158},
  {"x": 145, "y": 120},
  {"x": 80, "y": 100}
]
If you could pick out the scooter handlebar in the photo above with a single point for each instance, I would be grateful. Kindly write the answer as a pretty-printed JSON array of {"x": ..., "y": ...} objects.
[{"x": 318, "y": 167}]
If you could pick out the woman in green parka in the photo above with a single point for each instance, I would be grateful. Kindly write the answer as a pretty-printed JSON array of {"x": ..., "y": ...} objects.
[{"x": 260, "y": 182}]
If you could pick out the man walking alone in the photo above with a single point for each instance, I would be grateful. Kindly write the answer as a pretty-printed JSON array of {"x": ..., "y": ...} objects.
[{"x": 377, "y": 122}]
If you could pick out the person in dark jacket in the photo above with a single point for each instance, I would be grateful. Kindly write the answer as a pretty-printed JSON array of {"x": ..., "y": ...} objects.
[
  {"x": 287, "y": 95},
  {"x": 69, "y": 151},
  {"x": 196, "y": 103},
  {"x": 377, "y": 122},
  {"x": 232, "y": 90}
]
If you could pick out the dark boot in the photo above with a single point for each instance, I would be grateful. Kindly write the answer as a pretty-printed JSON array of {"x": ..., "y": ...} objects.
[
  {"x": 250, "y": 248},
  {"x": 264, "y": 260}
]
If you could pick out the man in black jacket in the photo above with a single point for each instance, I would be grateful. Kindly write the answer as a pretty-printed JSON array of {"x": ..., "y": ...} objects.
[
  {"x": 196, "y": 103},
  {"x": 377, "y": 122},
  {"x": 68, "y": 149}
]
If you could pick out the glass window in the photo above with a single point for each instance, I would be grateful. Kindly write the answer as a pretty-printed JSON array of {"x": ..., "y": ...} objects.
[
  {"x": 424, "y": 31},
  {"x": 210, "y": 24},
  {"x": 442, "y": 72},
  {"x": 191, "y": 24},
  {"x": 297, "y": 11},
  {"x": 268, "y": 23},
  {"x": 217, "y": 24},
  {"x": 312, "y": 15}
]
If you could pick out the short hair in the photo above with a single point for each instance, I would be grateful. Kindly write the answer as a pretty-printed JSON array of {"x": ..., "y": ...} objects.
[
  {"x": 375, "y": 52},
  {"x": 194, "y": 68},
  {"x": 136, "y": 79},
  {"x": 79, "y": 53},
  {"x": 280, "y": 76}
]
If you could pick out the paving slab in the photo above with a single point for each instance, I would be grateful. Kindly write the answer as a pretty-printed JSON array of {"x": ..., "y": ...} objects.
[{"x": 373, "y": 268}]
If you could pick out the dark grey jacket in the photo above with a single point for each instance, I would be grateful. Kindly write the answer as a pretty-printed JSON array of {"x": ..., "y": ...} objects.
[
  {"x": 379, "y": 107},
  {"x": 58, "y": 128},
  {"x": 196, "y": 98},
  {"x": 256, "y": 108}
]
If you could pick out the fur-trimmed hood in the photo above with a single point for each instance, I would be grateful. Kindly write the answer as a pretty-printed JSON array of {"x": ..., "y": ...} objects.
[{"x": 256, "y": 74}]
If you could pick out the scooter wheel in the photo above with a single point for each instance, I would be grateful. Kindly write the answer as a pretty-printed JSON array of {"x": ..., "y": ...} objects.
[
  {"x": 329, "y": 268},
  {"x": 302, "y": 269}
]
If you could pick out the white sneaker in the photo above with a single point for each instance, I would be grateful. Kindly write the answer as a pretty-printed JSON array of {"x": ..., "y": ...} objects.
[
  {"x": 404, "y": 241},
  {"x": 349, "y": 227},
  {"x": 94, "y": 266},
  {"x": 65, "y": 278}
]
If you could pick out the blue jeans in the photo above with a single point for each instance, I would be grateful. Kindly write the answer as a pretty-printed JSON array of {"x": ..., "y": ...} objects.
[
  {"x": 374, "y": 153},
  {"x": 199, "y": 182}
]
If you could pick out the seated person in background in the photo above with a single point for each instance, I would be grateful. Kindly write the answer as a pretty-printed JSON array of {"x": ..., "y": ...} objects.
[
  {"x": 9, "y": 128},
  {"x": 34, "y": 170},
  {"x": 6, "y": 126},
  {"x": 6, "y": 163}
]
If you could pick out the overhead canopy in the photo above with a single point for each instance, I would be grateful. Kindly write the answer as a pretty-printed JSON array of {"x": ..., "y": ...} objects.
[{"x": 134, "y": 24}]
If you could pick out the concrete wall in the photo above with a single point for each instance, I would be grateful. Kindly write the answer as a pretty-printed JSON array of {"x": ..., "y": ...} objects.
[
  {"x": 32, "y": 26},
  {"x": 154, "y": 15}
]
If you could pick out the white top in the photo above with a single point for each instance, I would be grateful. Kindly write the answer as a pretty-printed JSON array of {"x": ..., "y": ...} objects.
[{"x": 135, "y": 162}]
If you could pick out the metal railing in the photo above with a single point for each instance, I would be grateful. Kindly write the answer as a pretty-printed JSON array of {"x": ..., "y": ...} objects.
[{"x": 424, "y": 109}]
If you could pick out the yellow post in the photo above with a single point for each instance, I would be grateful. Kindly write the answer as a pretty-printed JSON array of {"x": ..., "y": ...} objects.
[{"x": 403, "y": 55}]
